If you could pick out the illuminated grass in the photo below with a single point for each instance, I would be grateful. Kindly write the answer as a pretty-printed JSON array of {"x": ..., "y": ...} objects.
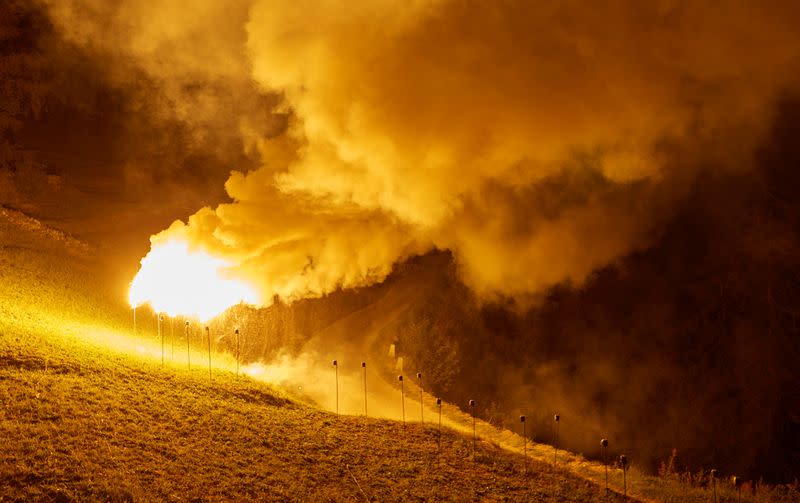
[
  {"x": 81, "y": 423},
  {"x": 89, "y": 413}
]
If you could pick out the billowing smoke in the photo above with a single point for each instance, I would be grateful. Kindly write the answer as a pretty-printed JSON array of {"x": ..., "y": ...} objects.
[
  {"x": 537, "y": 142},
  {"x": 625, "y": 167}
]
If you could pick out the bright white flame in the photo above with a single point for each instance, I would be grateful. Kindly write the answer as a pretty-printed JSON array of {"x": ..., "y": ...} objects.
[{"x": 175, "y": 281}]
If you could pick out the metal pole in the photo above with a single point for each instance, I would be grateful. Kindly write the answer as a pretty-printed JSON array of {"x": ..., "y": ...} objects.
[
  {"x": 237, "y": 351},
  {"x": 439, "y": 449},
  {"x": 172, "y": 336},
  {"x": 472, "y": 411},
  {"x": 737, "y": 482},
  {"x": 714, "y": 484},
  {"x": 188, "y": 355},
  {"x": 524, "y": 442},
  {"x": 402, "y": 398},
  {"x": 623, "y": 460},
  {"x": 624, "y": 483},
  {"x": 161, "y": 335},
  {"x": 604, "y": 450},
  {"x": 336, "y": 378},
  {"x": 556, "y": 420},
  {"x": 421, "y": 413},
  {"x": 364, "y": 366},
  {"x": 208, "y": 335}
]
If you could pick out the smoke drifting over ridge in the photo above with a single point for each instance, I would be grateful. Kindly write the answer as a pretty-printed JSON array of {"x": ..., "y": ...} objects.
[{"x": 538, "y": 143}]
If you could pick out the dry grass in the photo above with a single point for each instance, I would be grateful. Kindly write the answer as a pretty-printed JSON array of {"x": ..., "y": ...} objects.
[
  {"x": 84, "y": 424},
  {"x": 83, "y": 417}
]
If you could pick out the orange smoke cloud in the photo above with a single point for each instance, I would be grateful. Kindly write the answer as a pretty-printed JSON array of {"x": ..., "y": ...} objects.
[{"x": 531, "y": 140}]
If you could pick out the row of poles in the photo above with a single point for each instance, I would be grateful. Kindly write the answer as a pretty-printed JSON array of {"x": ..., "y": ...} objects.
[
  {"x": 161, "y": 335},
  {"x": 623, "y": 459},
  {"x": 402, "y": 392},
  {"x": 403, "y": 403}
]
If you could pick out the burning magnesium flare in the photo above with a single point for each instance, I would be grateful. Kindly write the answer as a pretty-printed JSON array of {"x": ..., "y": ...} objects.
[{"x": 176, "y": 281}]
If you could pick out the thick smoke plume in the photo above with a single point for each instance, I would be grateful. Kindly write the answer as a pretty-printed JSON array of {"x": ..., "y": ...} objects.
[
  {"x": 537, "y": 142},
  {"x": 627, "y": 168}
]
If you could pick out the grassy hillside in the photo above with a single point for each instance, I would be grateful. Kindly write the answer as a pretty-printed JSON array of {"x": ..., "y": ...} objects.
[
  {"x": 87, "y": 412},
  {"x": 79, "y": 423}
]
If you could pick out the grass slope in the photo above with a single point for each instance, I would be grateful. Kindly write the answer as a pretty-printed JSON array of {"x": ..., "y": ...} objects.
[
  {"x": 88, "y": 413},
  {"x": 83, "y": 422},
  {"x": 84, "y": 417},
  {"x": 80, "y": 424}
]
